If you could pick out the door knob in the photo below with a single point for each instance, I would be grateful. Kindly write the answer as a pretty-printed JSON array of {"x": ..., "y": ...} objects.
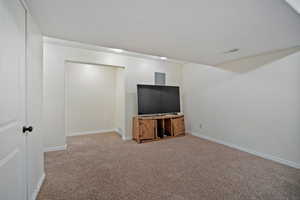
[{"x": 27, "y": 129}]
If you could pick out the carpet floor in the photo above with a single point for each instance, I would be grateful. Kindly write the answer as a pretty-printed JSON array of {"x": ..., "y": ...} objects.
[{"x": 103, "y": 167}]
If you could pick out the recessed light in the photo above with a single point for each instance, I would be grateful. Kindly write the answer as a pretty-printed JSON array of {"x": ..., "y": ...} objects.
[
  {"x": 118, "y": 50},
  {"x": 163, "y": 58}
]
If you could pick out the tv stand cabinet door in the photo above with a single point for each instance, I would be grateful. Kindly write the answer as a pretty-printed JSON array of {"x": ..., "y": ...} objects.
[
  {"x": 147, "y": 129},
  {"x": 178, "y": 126}
]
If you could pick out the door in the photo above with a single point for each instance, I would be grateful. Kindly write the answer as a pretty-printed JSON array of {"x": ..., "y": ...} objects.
[
  {"x": 178, "y": 126},
  {"x": 12, "y": 100},
  {"x": 147, "y": 128}
]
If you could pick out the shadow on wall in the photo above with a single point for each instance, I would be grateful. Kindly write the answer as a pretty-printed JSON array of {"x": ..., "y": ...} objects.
[
  {"x": 251, "y": 63},
  {"x": 131, "y": 110}
]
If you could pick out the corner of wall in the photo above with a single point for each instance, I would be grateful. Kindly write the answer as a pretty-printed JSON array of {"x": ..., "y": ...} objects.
[{"x": 38, "y": 187}]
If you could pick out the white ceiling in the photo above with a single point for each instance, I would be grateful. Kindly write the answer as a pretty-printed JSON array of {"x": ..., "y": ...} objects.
[{"x": 190, "y": 30}]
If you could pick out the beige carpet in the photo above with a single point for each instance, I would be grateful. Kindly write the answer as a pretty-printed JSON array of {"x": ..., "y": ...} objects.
[{"x": 104, "y": 167}]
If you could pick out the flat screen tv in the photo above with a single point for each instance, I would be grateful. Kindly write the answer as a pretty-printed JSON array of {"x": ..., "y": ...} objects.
[{"x": 156, "y": 99}]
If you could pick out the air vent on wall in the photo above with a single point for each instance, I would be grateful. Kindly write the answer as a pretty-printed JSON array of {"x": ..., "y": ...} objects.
[{"x": 159, "y": 78}]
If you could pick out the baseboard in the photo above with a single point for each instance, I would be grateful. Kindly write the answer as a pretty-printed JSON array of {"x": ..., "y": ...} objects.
[
  {"x": 263, "y": 155},
  {"x": 38, "y": 187},
  {"x": 56, "y": 148},
  {"x": 92, "y": 132},
  {"x": 119, "y": 131},
  {"x": 126, "y": 138}
]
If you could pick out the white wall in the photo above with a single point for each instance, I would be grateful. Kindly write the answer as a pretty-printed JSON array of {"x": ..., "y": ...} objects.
[
  {"x": 257, "y": 109},
  {"x": 90, "y": 98},
  {"x": 34, "y": 107},
  {"x": 119, "y": 119},
  {"x": 136, "y": 70}
]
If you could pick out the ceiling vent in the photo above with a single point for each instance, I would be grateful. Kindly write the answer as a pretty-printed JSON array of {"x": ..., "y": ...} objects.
[{"x": 231, "y": 51}]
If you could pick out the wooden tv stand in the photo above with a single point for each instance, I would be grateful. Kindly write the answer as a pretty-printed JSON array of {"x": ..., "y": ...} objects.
[{"x": 157, "y": 127}]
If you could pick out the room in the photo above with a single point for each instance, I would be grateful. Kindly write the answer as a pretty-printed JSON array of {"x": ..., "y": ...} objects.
[{"x": 150, "y": 100}]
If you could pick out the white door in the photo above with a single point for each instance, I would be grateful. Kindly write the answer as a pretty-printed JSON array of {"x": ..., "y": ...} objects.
[{"x": 12, "y": 100}]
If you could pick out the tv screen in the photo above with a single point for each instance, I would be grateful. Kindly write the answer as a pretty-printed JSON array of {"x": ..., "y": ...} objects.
[{"x": 156, "y": 99}]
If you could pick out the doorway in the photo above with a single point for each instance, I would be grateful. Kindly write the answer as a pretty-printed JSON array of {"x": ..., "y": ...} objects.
[{"x": 94, "y": 99}]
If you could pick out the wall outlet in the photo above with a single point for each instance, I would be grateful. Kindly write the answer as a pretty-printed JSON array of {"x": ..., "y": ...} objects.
[{"x": 200, "y": 126}]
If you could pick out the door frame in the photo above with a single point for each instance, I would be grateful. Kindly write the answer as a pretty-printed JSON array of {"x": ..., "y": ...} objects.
[
  {"x": 24, "y": 4},
  {"x": 26, "y": 163}
]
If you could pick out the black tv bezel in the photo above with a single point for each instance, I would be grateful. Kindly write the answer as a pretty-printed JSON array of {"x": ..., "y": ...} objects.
[{"x": 161, "y": 113}]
